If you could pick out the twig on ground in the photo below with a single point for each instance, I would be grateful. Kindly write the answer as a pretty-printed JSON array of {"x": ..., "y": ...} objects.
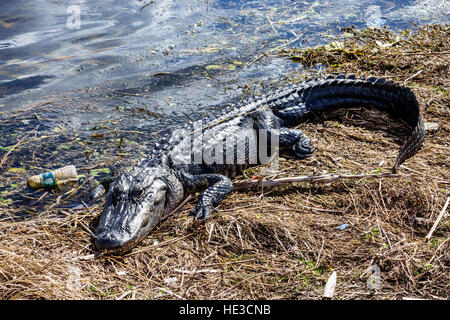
[
  {"x": 325, "y": 178},
  {"x": 413, "y": 76},
  {"x": 171, "y": 293},
  {"x": 86, "y": 228},
  {"x": 441, "y": 214}
]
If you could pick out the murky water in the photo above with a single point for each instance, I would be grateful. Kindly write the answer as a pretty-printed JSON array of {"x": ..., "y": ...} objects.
[{"x": 103, "y": 70}]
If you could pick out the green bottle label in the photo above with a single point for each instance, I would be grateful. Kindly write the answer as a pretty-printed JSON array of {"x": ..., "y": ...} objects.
[{"x": 48, "y": 179}]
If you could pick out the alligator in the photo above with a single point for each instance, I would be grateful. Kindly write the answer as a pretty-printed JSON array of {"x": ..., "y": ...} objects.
[{"x": 139, "y": 199}]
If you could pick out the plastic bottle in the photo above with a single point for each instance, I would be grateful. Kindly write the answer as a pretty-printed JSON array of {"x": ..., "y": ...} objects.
[{"x": 54, "y": 179}]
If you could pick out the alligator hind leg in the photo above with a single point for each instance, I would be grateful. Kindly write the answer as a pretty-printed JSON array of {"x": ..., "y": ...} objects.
[
  {"x": 294, "y": 139},
  {"x": 217, "y": 188}
]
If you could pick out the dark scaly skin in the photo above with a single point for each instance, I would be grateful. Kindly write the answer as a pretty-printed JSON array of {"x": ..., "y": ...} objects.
[{"x": 138, "y": 200}]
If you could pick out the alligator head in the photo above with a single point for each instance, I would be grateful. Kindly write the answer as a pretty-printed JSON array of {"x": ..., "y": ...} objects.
[{"x": 135, "y": 204}]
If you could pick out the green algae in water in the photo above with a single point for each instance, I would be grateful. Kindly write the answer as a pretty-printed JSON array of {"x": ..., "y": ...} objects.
[
  {"x": 16, "y": 170},
  {"x": 97, "y": 172}
]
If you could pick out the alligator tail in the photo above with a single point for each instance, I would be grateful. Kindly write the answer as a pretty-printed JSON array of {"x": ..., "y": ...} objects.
[{"x": 342, "y": 91}]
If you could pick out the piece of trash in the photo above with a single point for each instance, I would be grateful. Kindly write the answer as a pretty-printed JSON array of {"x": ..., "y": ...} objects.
[
  {"x": 98, "y": 192},
  {"x": 343, "y": 226},
  {"x": 330, "y": 287},
  {"x": 53, "y": 179},
  {"x": 170, "y": 281},
  {"x": 431, "y": 126}
]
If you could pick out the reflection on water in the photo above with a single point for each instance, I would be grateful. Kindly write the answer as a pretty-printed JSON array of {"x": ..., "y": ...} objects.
[
  {"x": 133, "y": 38},
  {"x": 19, "y": 85}
]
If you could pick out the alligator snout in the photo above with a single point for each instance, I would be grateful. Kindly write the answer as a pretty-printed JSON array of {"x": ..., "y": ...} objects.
[
  {"x": 107, "y": 243},
  {"x": 113, "y": 242}
]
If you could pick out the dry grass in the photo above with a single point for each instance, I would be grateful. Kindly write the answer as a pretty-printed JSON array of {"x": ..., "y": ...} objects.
[{"x": 283, "y": 243}]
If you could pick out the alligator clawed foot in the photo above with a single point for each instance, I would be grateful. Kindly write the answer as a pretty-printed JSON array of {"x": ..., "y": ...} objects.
[
  {"x": 303, "y": 148},
  {"x": 202, "y": 211}
]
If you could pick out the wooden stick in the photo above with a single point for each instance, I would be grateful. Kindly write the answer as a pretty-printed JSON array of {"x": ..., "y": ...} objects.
[
  {"x": 413, "y": 76},
  {"x": 87, "y": 229},
  {"x": 441, "y": 214},
  {"x": 325, "y": 178}
]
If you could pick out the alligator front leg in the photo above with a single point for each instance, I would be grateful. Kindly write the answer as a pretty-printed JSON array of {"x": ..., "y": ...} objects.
[
  {"x": 217, "y": 188},
  {"x": 294, "y": 139}
]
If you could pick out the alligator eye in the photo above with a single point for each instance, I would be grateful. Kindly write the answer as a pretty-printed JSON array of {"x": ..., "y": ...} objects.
[
  {"x": 118, "y": 189},
  {"x": 138, "y": 193}
]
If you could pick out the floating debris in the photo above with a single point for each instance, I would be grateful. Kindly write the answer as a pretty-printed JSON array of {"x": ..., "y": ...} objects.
[
  {"x": 54, "y": 179},
  {"x": 98, "y": 192},
  {"x": 431, "y": 126},
  {"x": 343, "y": 226}
]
